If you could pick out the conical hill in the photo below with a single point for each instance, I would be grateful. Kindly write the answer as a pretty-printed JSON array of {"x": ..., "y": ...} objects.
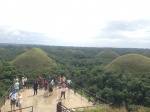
[
  {"x": 131, "y": 63},
  {"x": 33, "y": 60},
  {"x": 108, "y": 54}
]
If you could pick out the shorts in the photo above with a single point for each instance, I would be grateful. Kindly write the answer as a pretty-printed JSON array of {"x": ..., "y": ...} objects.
[
  {"x": 50, "y": 90},
  {"x": 12, "y": 102},
  {"x": 19, "y": 103}
]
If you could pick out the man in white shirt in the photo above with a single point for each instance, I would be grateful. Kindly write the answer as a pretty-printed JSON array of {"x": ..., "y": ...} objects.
[{"x": 68, "y": 83}]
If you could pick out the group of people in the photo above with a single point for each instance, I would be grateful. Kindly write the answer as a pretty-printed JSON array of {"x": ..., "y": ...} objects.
[
  {"x": 15, "y": 100},
  {"x": 49, "y": 84},
  {"x": 15, "y": 95}
]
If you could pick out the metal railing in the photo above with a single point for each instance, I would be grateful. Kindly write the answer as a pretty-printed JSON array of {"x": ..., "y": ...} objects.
[
  {"x": 6, "y": 95},
  {"x": 62, "y": 108},
  {"x": 23, "y": 109},
  {"x": 89, "y": 95},
  {"x": 84, "y": 93}
]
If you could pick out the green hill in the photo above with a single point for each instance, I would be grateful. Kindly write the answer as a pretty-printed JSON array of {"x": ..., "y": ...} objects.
[
  {"x": 130, "y": 63},
  {"x": 34, "y": 59},
  {"x": 107, "y": 54},
  {"x": 147, "y": 54}
]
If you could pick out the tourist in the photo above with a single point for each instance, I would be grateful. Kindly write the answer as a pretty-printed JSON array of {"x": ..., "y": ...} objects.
[
  {"x": 50, "y": 89},
  {"x": 35, "y": 87},
  {"x": 95, "y": 99},
  {"x": 40, "y": 82},
  {"x": 16, "y": 79},
  {"x": 52, "y": 82},
  {"x": 68, "y": 83},
  {"x": 64, "y": 79},
  {"x": 63, "y": 90},
  {"x": 60, "y": 81},
  {"x": 13, "y": 97},
  {"x": 19, "y": 101},
  {"x": 23, "y": 83},
  {"x": 56, "y": 81},
  {"x": 16, "y": 86},
  {"x": 45, "y": 85}
]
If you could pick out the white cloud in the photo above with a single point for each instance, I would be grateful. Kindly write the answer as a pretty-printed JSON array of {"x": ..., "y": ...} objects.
[{"x": 77, "y": 22}]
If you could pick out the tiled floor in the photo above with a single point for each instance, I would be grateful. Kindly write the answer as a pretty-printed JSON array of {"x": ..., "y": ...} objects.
[{"x": 43, "y": 103}]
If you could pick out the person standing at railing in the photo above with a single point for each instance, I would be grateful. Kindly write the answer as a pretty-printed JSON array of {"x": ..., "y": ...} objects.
[
  {"x": 95, "y": 99},
  {"x": 68, "y": 83},
  {"x": 40, "y": 82},
  {"x": 19, "y": 101},
  {"x": 63, "y": 90},
  {"x": 64, "y": 79},
  {"x": 23, "y": 83},
  {"x": 16, "y": 86},
  {"x": 13, "y": 97},
  {"x": 16, "y": 79},
  {"x": 45, "y": 86},
  {"x": 50, "y": 89},
  {"x": 35, "y": 87}
]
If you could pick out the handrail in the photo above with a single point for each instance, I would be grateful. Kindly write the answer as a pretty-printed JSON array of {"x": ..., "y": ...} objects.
[
  {"x": 23, "y": 109},
  {"x": 84, "y": 107},
  {"x": 62, "y": 108},
  {"x": 6, "y": 95},
  {"x": 103, "y": 100}
]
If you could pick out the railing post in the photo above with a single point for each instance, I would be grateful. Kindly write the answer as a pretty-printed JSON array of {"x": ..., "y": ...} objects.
[
  {"x": 81, "y": 93},
  {"x": 59, "y": 104},
  {"x": 74, "y": 89},
  {"x": 89, "y": 98},
  {"x": 32, "y": 108}
]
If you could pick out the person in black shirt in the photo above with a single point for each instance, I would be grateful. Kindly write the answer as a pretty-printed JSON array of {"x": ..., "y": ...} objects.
[{"x": 35, "y": 87}]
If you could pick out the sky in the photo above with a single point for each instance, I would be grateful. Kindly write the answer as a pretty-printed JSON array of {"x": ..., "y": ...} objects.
[{"x": 79, "y": 23}]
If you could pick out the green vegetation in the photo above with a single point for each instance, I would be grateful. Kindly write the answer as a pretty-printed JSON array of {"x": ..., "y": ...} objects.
[
  {"x": 120, "y": 76},
  {"x": 33, "y": 60},
  {"x": 108, "y": 54},
  {"x": 131, "y": 64}
]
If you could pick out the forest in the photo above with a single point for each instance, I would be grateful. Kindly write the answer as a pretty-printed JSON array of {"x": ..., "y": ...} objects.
[{"x": 119, "y": 75}]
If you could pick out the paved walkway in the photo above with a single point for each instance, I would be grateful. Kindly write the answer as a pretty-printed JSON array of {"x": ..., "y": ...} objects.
[{"x": 43, "y": 103}]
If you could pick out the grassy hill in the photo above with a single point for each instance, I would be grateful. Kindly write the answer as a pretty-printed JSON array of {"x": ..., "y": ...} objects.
[
  {"x": 107, "y": 54},
  {"x": 131, "y": 63},
  {"x": 34, "y": 59},
  {"x": 147, "y": 54},
  {"x": 74, "y": 53}
]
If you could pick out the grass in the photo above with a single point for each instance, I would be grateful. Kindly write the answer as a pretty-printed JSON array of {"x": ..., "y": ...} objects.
[
  {"x": 34, "y": 59},
  {"x": 108, "y": 54},
  {"x": 131, "y": 63},
  {"x": 106, "y": 108}
]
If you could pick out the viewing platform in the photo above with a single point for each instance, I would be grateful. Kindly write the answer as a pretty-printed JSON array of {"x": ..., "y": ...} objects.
[{"x": 44, "y": 103}]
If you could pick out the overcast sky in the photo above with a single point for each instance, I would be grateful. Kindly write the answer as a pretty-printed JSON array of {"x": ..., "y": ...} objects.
[{"x": 80, "y": 23}]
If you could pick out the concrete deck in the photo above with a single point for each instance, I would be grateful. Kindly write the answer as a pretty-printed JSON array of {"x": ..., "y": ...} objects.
[{"x": 43, "y": 103}]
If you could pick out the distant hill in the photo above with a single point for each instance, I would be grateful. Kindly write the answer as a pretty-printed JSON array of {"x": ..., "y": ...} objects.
[
  {"x": 107, "y": 54},
  {"x": 131, "y": 63},
  {"x": 34, "y": 59},
  {"x": 147, "y": 54},
  {"x": 75, "y": 53}
]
